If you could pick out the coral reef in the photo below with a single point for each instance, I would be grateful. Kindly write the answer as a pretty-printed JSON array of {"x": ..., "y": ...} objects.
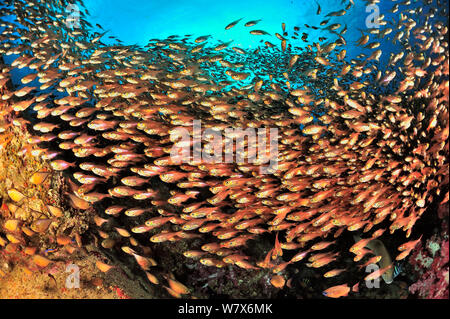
[
  {"x": 104, "y": 170},
  {"x": 430, "y": 262}
]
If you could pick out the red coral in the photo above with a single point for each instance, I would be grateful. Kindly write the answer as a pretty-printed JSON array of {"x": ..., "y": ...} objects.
[
  {"x": 432, "y": 268},
  {"x": 120, "y": 293}
]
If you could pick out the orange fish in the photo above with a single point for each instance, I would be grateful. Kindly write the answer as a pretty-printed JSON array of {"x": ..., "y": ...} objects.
[
  {"x": 236, "y": 242},
  {"x": 337, "y": 291},
  {"x": 194, "y": 253},
  {"x": 321, "y": 245},
  {"x": 178, "y": 287},
  {"x": 152, "y": 278},
  {"x": 172, "y": 176},
  {"x": 333, "y": 273},
  {"x": 78, "y": 202},
  {"x": 278, "y": 281},
  {"x": 322, "y": 261},
  {"x": 359, "y": 245},
  {"x": 39, "y": 177},
  {"x": 299, "y": 256},
  {"x": 158, "y": 238},
  {"x": 244, "y": 264},
  {"x": 60, "y": 165},
  {"x": 103, "y": 267},
  {"x": 377, "y": 273},
  {"x": 16, "y": 195},
  {"x": 409, "y": 245},
  {"x": 41, "y": 261},
  {"x": 403, "y": 254},
  {"x": 144, "y": 262}
]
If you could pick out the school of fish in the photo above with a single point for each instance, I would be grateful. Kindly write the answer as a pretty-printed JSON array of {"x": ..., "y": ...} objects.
[{"x": 361, "y": 148}]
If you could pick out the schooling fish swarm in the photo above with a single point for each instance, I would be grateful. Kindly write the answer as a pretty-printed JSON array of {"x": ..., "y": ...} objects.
[{"x": 360, "y": 147}]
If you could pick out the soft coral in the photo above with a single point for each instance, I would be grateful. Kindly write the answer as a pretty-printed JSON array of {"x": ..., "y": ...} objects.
[{"x": 432, "y": 268}]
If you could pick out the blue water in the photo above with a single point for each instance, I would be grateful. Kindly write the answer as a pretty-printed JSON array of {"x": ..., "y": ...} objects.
[{"x": 138, "y": 21}]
